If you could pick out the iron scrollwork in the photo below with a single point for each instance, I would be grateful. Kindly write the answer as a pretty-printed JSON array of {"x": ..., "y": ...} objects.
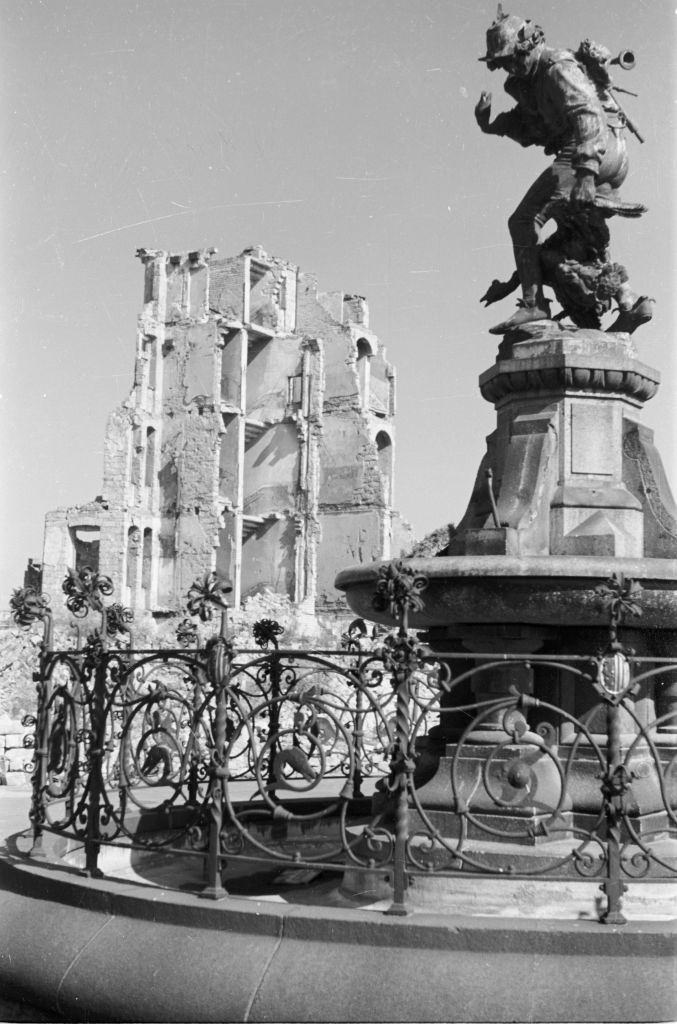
[{"x": 261, "y": 755}]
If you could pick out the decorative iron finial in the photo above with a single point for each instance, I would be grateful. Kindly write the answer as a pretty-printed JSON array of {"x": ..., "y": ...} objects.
[
  {"x": 84, "y": 591},
  {"x": 621, "y": 596},
  {"x": 28, "y": 606},
  {"x": 206, "y": 594},
  {"x": 351, "y": 639},
  {"x": 118, "y": 619},
  {"x": 266, "y": 632},
  {"x": 398, "y": 589},
  {"x": 186, "y": 633}
]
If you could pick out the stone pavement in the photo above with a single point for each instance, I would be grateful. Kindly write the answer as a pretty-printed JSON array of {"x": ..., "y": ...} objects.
[{"x": 15, "y": 803}]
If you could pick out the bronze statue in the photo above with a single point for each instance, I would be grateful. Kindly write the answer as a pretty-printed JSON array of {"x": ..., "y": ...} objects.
[{"x": 565, "y": 102}]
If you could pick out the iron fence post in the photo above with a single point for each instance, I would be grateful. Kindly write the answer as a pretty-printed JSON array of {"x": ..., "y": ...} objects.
[
  {"x": 274, "y": 715},
  {"x": 214, "y": 889},
  {"x": 126, "y": 761},
  {"x": 401, "y": 768},
  {"x": 398, "y": 591},
  {"x": 614, "y": 786},
  {"x": 193, "y": 766},
  {"x": 39, "y": 777},
  {"x": 358, "y": 739},
  {"x": 621, "y": 596},
  {"x": 28, "y": 607},
  {"x": 219, "y": 663},
  {"x": 96, "y": 754}
]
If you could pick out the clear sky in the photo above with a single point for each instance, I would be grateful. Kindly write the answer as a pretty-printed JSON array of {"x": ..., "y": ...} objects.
[{"x": 338, "y": 134}]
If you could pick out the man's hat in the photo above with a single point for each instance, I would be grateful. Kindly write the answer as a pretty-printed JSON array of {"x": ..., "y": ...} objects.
[{"x": 507, "y": 34}]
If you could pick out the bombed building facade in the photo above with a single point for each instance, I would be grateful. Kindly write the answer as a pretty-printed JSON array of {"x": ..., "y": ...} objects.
[{"x": 258, "y": 440}]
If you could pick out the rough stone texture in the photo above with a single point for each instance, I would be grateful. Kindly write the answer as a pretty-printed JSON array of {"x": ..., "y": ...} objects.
[
  {"x": 16, "y": 755},
  {"x": 258, "y": 439}
]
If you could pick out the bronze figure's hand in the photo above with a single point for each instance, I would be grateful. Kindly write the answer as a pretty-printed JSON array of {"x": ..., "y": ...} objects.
[{"x": 483, "y": 111}]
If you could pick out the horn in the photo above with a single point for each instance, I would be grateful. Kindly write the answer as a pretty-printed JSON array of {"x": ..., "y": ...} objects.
[
  {"x": 625, "y": 60},
  {"x": 499, "y": 13}
]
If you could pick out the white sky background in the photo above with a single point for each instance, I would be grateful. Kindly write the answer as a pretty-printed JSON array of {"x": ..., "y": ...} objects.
[{"x": 338, "y": 134}]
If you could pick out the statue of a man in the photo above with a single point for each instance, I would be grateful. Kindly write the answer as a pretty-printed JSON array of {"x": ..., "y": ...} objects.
[{"x": 559, "y": 107}]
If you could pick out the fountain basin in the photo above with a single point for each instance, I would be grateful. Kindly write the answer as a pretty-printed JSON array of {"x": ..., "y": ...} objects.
[
  {"x": 540, "y": 590},
  {"x": 102, "y": 949}
]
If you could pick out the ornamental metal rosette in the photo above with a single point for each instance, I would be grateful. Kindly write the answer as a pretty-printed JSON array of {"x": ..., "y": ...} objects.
[
  {"x": 621, "y": 596},
  {"x": 266, "y": 631},
  {"x": 28, "y": 606},
  {"x": 85, "y": 591},
  {"x": 186, "y": 633},
  {"x": 206, "y": 594},
  {"x": 398, "y": 590}
]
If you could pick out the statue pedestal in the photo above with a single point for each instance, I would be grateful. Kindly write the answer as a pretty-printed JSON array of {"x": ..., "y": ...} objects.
[{"x": 574, "y": 472}]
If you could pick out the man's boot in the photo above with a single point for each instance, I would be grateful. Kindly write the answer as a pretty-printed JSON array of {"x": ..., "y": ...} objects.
[{"x": 527, "y": 313}]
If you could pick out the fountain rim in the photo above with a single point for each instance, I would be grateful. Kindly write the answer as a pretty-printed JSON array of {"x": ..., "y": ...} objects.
[
  {"x": 136, "y": 934},
  {"x": 550, "y": 589},
  {"x": 462, "y": 567}
]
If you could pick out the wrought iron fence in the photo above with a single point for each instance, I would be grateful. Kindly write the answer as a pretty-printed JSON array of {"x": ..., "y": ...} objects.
[{"x": 260, "y": 755}]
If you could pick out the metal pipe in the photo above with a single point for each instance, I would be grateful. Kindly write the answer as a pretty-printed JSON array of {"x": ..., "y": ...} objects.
[{"x": 492, "y": 500}]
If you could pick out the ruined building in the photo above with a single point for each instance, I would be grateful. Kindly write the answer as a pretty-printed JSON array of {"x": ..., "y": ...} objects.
[{"x": 257, "y": 440}]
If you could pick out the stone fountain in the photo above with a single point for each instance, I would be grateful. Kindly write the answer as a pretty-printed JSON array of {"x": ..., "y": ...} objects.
[
  {"x": 571, "y": 516},
  {"x": 570, "y": 493}
]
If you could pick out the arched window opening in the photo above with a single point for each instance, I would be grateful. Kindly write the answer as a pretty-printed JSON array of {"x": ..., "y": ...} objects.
[
  {"x": 152, "y": 363},
  {"x": 133, "y": 545},
  {"x": 384, "y": 447},
  {"x": 147, "y": 564},
  {"x": 363, "y": 358},
  {"x": 150, "y": 457},
  {"x": 86, "y": 547}
]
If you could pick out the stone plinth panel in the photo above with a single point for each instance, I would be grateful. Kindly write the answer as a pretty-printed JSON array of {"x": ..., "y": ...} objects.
[{"x": 565, "y": 452}]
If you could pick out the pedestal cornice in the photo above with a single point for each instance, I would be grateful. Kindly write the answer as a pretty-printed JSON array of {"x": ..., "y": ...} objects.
[{"x": 549, "y": 359}]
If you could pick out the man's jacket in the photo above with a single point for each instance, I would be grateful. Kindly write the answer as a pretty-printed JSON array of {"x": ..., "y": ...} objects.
[{"x": 559, "y": 107}]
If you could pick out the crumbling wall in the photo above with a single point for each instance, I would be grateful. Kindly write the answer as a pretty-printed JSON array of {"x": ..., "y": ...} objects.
[
  {"x": 228, "y": 461},
  {"x": 279, "y": 490},
  {"x": 197, "y": 516},
  {"x": 348, "y": 538},
  {"x": 349, "y": 473},
  {"x": 402, "y": 536},
  {"x": 268, "y": 559},
  {"x": 354, "y": 445},
  {"x": 272, "y": 471},
  {"x": 117, "y": 456},
  {"x": 227, "y": 552},
  {"x": 57, "y": 554},
  {"x": 231, "y": 376},
  {"x": 381, "y": 385},
  {"x": 270, "y": 365},
  {"x": 226, "y": 288},
  {"x": 188, "y": 475},
  {"x": 65, "y": 546},
  {"x": 189, "y": 366}
]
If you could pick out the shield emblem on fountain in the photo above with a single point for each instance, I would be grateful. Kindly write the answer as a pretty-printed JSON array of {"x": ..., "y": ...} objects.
[{"x": 614, "y": 673}]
